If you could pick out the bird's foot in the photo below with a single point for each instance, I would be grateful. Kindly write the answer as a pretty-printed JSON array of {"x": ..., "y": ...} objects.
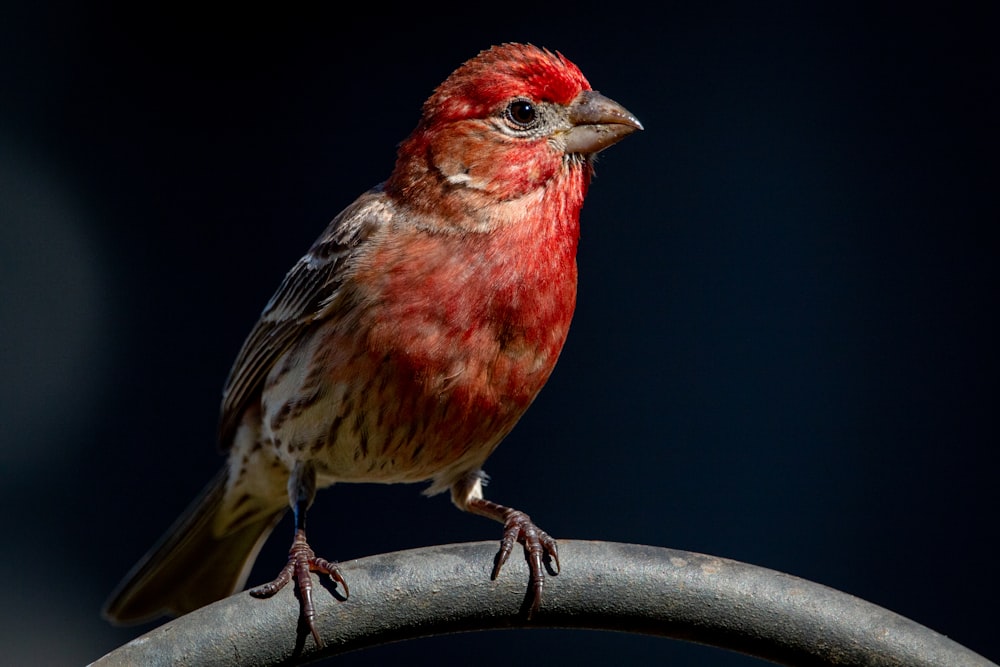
[
  {"x": 538, "y": 548},
  {"x": 301, "y": 561}
]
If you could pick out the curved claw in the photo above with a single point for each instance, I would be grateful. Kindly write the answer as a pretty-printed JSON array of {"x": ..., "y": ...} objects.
[
  {"x": 538, "y": 547},
  {"x": 301, "y": 561}
]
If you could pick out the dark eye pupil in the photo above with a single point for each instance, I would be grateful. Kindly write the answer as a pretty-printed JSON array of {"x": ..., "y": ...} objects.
[{"x": 521, "y": 112}]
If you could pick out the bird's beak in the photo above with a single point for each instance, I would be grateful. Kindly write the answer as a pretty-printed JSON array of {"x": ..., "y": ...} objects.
[{"x": 597, "y": 122}]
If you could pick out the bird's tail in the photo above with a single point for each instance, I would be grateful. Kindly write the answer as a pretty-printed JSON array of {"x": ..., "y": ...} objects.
[{"x": 192, "y": 565}]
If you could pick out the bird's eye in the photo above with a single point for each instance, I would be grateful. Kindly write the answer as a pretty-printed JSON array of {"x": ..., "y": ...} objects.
[{"x": 522, "y": 113}]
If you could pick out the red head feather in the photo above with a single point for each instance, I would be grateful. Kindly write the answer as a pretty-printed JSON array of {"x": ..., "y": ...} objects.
[{"x": 491, "y": 78}]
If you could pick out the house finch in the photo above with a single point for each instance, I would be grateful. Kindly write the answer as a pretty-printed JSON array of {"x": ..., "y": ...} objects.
[{"x": 411, "y": 337}]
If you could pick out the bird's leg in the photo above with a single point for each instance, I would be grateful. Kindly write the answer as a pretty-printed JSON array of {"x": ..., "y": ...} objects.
[
  {"x": 518, "y": 527},
  {"x": 301, "y": 558}
]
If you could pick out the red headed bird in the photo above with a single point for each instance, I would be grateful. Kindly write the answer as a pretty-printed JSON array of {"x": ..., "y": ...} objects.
[{"x": 409, "y": 340}]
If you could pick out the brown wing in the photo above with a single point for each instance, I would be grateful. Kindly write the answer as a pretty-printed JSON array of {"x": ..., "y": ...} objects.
[{"x": 301, "y": 300}]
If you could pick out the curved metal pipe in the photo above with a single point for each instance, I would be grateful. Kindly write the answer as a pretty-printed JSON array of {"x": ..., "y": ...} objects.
[{"x": 602, "y": 586}]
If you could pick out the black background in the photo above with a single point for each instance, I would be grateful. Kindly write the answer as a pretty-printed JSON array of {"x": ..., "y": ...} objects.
[{"x": 784, "y": 350}]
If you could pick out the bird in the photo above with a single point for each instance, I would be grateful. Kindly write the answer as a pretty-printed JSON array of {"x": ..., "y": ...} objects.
[{"x": 408, "y": 341}]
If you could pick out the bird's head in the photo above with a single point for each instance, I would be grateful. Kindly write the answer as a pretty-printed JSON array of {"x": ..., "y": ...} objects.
[{"x": 503, "y": 125}]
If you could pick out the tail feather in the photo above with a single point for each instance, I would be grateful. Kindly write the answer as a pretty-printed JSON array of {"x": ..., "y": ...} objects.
[{"x": 191, "y": 566}]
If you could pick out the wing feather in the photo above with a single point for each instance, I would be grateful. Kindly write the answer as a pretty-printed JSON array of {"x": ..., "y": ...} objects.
[{"x": 302, "y": 299}]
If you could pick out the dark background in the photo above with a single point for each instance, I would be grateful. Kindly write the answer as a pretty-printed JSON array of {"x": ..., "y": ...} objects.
[{"x": 784, "y": 350}]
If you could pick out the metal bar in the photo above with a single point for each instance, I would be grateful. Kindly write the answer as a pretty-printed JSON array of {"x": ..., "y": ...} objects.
[{"x": 602, "y": 586}]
